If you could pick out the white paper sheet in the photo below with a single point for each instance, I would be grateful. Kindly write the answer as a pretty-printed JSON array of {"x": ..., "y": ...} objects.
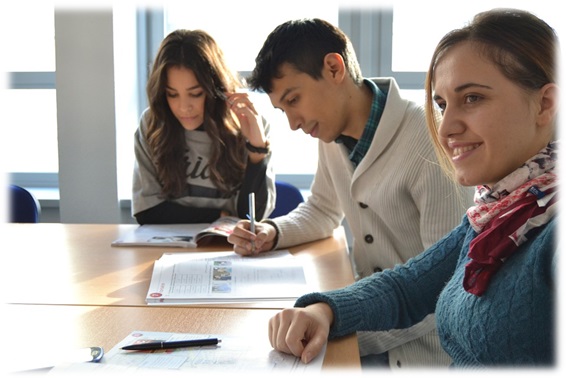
[
  {"x": 233, "y": 354},
  {"x": 225, "y": 277}
]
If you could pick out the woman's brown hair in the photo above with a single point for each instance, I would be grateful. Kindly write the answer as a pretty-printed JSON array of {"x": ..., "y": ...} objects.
[{"x": 195, "y": 50}]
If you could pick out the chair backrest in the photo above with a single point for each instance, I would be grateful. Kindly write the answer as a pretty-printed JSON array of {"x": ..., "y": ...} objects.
[
  {"x": 288, "y": 197},
  {"x": 24, "y": 207}
]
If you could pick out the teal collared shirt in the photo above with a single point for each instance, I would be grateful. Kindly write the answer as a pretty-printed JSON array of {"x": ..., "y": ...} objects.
[{"x": 359, "y": 148}]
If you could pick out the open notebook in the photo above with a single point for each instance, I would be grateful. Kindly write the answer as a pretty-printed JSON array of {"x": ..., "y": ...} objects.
[{"x": 177, "y": 235}]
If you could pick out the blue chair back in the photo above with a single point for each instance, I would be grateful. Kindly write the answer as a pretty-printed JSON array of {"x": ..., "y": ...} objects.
[
  {"x": 24, "y": 207},
  {"x": 288, "y": 197}
]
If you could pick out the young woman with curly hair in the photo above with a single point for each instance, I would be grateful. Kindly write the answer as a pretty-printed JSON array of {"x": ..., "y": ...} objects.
[{"x": 201, "y": 146}]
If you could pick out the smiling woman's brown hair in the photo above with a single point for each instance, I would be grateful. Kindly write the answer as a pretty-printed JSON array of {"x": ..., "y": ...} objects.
[
  {"x": 197, "y": 51},
  {"x": 522, "y": 46}
]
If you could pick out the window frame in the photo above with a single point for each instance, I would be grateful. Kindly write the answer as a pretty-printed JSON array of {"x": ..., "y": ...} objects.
[
  {"x": 33, "y": 80},
  {"x": 360, "y": 24}
]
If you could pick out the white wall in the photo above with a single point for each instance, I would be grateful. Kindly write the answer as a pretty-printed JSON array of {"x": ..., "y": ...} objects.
[{"x": 86, "y": 116}]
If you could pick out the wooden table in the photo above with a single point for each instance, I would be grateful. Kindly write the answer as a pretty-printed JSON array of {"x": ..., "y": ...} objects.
[
  {"x": 75, "y": 264},
  {"x": 66, "y": 287}
]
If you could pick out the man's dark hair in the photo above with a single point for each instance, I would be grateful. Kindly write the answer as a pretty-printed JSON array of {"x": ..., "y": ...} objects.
[{"x": 303, "y": 44}]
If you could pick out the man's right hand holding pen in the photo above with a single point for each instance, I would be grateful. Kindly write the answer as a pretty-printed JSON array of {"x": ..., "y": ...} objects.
[{"x": 246, "y": 243}]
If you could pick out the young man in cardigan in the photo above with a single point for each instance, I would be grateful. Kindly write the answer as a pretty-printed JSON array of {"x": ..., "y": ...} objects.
[{"x": 376, "y": 168}]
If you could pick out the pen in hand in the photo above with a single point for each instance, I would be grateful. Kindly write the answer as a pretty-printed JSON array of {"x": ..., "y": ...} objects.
[
  {"x": 251, "y": 200},
  {"x": 172, "y": 344}
]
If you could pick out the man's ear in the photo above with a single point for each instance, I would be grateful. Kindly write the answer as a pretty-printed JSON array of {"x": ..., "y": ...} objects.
[
  {"x": 547, "y": 104},
  {"x": 334, "y": 66}
]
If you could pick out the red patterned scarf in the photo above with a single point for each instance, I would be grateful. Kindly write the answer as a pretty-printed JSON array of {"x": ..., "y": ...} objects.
[{"x": 508, "y": 214}]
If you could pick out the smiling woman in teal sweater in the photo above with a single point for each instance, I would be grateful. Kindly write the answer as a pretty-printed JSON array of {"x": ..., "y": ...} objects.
[
  {"x": 510, "y": 324},
  {"x": 491, "y": 281}
]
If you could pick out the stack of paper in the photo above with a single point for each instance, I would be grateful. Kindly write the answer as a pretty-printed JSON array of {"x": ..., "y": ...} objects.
[{"x": 225, "y": 277}]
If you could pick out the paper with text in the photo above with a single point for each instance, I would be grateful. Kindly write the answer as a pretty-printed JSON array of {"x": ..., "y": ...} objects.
[{"x": 225, "y": 277}]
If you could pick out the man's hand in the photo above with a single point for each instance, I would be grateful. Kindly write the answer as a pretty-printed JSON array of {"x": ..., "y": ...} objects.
[{"x": 247, "y": 243}]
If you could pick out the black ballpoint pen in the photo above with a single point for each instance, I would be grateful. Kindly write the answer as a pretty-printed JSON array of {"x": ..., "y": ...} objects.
[{"x": 172, "y": 344}]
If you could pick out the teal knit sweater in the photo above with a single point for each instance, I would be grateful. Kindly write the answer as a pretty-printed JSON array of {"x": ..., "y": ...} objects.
[{"x": 512, "y": 323}]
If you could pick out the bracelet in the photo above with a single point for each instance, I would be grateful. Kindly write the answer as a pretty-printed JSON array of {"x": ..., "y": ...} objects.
[{"x": 258, "y": 150}]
